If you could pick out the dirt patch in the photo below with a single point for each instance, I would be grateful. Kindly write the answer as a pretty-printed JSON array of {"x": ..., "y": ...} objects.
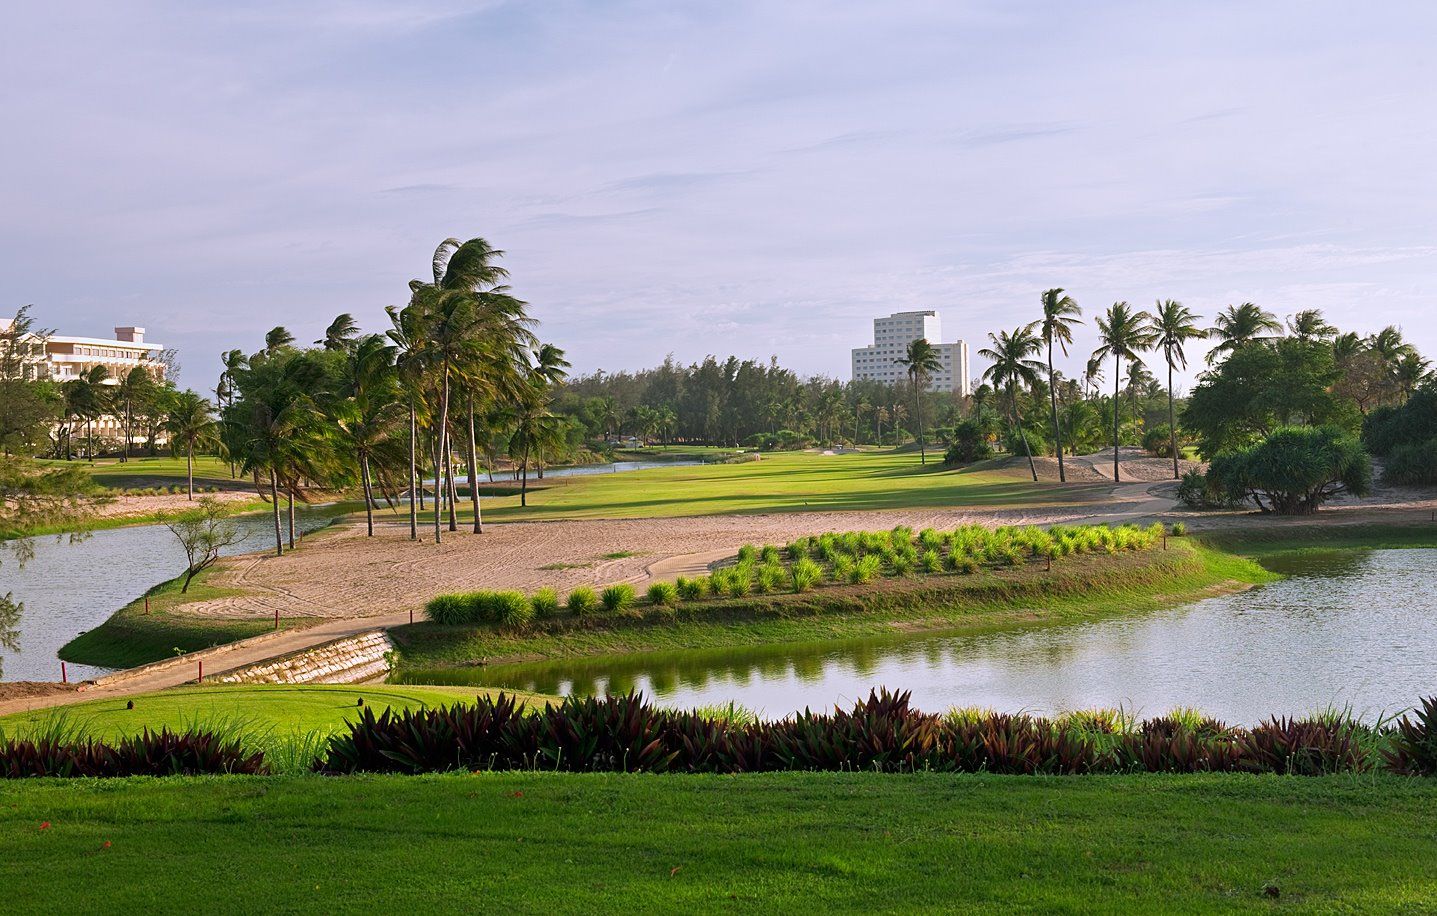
[
  {"x": 29, "y": 690},
  {"x": 127, "y": 505}
]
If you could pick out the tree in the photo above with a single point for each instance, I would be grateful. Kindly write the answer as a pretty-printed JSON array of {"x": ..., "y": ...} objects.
[
  {"x": 1295, "y": 470},
  {"x": 134, "y": 386},
  {"x": 1310, "y": 325},
  {"x": 1241, "y": 325},
  {"x": 340, "y": 335},
  {"x": 368, "y": 410},
  {"x": 1013, "y": 366},
  {"x": 1264, "y": 386},
  {"x": 190, "y": 423},
  {"x": 1059, "y": 316},
  {"x": 28, "y": 406},
  {"x": 203, "y": 532},
  {"x": 921, "y": 361},
  {"x": 1122, "y": 333},
  {"x": 1171, "y": 325}
]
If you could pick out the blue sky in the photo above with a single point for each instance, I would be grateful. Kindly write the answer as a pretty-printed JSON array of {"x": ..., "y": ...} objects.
[{"x": 754, "y": 178}]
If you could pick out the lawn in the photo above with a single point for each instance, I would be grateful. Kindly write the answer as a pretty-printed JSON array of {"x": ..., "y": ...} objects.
[
  {"x": 785, "y": 842},
  {"x": 289, "y": 707},
  {"x": 784, "y": 482}
]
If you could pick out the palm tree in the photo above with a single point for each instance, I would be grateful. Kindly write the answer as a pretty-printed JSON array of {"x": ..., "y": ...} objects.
[
  {"x": 1239, "y": 325},
  {"x": 1121, "y": 333},
  {"x": 340, "y": 334},
  {"x": 233, "y": 361},
  {"x": 1309, "y": 325},
  {"x": 407, "y": 334},
  {"x": 190, "y": 422},
  {"x": 277, "y": 339},
  {"x": 1013, "y": 365},
  {"x": 921, "y": 361},
  {"x": 1059, "y": 316},
  {"x": 369, "y": 409},
  {"x": 1171, "y": 325},
  {"x": 133, "y": 386}
]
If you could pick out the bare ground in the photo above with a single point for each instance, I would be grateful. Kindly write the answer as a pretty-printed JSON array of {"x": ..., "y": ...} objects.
[{"x": 125, "y": 505}]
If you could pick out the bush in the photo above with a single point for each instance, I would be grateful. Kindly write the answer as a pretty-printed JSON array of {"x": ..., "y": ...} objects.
[
  {"x": 866, "y": 569},
  {"x": 582, "y": 600},
  {"x": 161, "y": 753},
  {"x": 545, "y": 602},
  {"x": 747, "y": 553},
  {"x": 1412, "y": 464},
  {"x": 1179, "y": 529},
  {"x": 618, "y": 597},
  {"x": 1414, "y": 744},
  {"x": 770, "y": 578},
  {"x": 692, "y": 589},
  {"x": 967, "y": 443},
  {"x": 450, "y": 610},
  {"x": 805, "y": 574},
  {"x": 509, "y": 609},
  {"x": 1294, "y": 471},
  {"x": 1158, "y": 441},
  {"x": 931, "y": 561},
  {"x": 663, "y": 594}
]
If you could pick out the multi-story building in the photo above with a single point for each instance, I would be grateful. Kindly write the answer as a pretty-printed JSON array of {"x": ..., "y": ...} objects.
[
  {"x": 892, "y": 335},
  {"x": 62, "y": 359}
]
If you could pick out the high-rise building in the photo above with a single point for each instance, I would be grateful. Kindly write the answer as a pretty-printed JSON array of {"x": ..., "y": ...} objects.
[{"x": 892, "y": 335}]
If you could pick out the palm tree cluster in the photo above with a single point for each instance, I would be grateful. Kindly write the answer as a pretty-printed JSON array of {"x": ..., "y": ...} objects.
[{"x": 400, "y": 414}]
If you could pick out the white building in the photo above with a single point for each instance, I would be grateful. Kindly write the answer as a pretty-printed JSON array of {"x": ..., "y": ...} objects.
[{"x": 892, "y": 335}]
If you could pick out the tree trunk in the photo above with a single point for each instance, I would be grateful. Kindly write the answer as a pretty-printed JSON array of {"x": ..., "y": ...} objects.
[
  {"x": 274, "y": 505},
  {"x": 368, "y": 493},
  {"x": 125, "y": 451},
  {"x": 413, "y": 476},
  {"x": 190, "y": 471},
  {"x": 1117, "y": 413},
  {"x": 439, "y": 447},
  {"x": 474, "y": 472},
  {"x": 524, "y": 486},
  {"x": 1172, "y": 420},
  {"x": 918, "y": 404},
  {"x": 451, "y": 490},
  {"x": 1022, "y": 434},
  {"x": 291, "y": 516},
  {"x": 1053, "y": 405}
]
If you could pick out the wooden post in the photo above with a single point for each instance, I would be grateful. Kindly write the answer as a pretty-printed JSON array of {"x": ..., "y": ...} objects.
[
  {"x": 276, "y": 618},
  {"x": 411, "y": 615},
  {"x": 202, "y": 672},
  {"x": 147, "y": 604},
  {"x": 1165, "y": 540},
  {"x": 64, "y": 675}
]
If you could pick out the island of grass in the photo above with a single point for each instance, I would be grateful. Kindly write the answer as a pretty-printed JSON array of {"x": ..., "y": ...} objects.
[{"x": 858, "y": 584}]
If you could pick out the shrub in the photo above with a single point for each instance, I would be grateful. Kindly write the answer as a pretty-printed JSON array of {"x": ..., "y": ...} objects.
[
  {"x": 968, "y": 443},
  {"x": 931, "y": 561},
  {"x": 805, "y": 574},
  {"x": 1413, "y": 748},
  {"x": 747, "y": 553},
  {"x": 450, "y": 610},
  {"x": 509, "y": 609},
  {"x": 902, "y": 564},
  {"x": 692, "y": 589},
  {"x": 1295, "y": 470},
  {"x": 1412, "y": 464},
  {"x": 663, "y": 594},
  {"x": 582, "y": 600},
  {"x": 150, "y": 753},
  {"x": 545, "y": 602},
  {"x": 769, "y": 554},
  {"x": 843, "y": 566},
  {"x": 770, "y": 578},
  {"x": 1178, "y": 529},
  {"x": 966, "y": 566},
  {"x": 866, "y": 569},
  {"x": 1302, "y": 747},
  {"x": 617, "y": 597}
]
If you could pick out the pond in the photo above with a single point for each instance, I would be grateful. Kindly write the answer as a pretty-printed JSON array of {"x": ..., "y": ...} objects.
[
  {"x": 72, "y": 583},
  {"x": 1346, "y": 628}
]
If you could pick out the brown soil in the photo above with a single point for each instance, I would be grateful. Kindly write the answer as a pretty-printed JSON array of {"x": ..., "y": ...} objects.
[{"x": 26, "y": 690}]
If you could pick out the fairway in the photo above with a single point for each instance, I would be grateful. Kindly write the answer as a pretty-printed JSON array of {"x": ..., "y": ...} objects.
[
  {"x": 785, "y": 482},
  {"x": 787, "y": 842},
  {"x": 282, "y": 707}
]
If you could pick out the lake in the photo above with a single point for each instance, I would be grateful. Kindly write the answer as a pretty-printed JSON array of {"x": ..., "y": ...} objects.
[{"x": 1346, "y": 628}]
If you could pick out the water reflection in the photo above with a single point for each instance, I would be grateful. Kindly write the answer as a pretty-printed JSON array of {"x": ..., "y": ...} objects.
[{"x": 1349, "y": 628}]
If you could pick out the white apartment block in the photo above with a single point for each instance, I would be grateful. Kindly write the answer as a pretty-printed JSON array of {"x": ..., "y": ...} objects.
[
  {"x": 892, "y": 335},
  {"x": 65, "y": 358}
]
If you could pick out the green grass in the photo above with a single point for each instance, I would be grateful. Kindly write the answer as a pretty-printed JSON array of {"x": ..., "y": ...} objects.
[
  {"x": 790, "y": 842},
  {"x": 163, "y": 471},
  {"x": 1300, "y": 536},
  {"x": 784, "y": 482},
  {"x": 130, "y": 637},
  {"x": 290, "y": 707},
  {"x": 1078, "y": 588}
]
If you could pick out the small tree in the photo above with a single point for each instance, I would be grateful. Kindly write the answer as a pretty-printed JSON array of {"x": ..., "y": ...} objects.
[
  {"x": 1295, "y": 470},
  {"x": 203, "y": 532}
]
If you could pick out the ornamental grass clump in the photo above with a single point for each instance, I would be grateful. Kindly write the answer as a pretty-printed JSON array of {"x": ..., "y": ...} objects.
[
  {"x": 510, "y": 609},
  {"x": 150, "y": 753},
  {"x": 450, "y": 610},
  {"x": 799, "y": 549},
  {"x": 663, "y": 594},
  {"x": 769, "y": 555},
  {"x": 692, "y": 589},
  {"x": 617, "y": 598},
  {"x": 545, "y": 602},
  {"x": 867, "y": 568},
  {"x": 747, "y": 553},
  {"x": 1413, "y": 749},
  {"x": 770, "y": 578},
  {"x": 843, "y": 566},
  {"x": 930, "y": 561},
  {"x": 582, "y": 601},
  {"x": 805, "y": 575}
]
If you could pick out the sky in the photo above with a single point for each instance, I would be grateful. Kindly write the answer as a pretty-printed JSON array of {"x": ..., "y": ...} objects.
[{"x": 752, "y": 178}]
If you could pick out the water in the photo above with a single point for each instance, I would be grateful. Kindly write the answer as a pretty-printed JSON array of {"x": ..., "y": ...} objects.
[
  {"x": 586, "y": 470},
  {"x": 1354, "y": 628},
  {"x": 73, "y": 583}
]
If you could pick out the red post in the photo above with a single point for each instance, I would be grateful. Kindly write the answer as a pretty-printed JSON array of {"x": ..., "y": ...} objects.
[
  {"x": 276, "y": 618},
  {"x": 411, "y": 615},
  {"x": 147, "y": 604},
  {"x": 202, "y": 672},
  {"x": 64, "y": 675}
]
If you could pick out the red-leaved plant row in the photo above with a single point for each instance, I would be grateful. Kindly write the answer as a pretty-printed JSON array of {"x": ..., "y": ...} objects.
[{"x": 882, "y": 733}]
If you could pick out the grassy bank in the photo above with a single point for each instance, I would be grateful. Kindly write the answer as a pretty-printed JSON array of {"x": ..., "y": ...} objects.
[
  {"x": 792, "y": 842},
  {"x": 1079, "y": 588},
  {"x": 1309, "y": 535},
  {"x": 785, "y": 482},
  {"x": 131, "y": 637}
]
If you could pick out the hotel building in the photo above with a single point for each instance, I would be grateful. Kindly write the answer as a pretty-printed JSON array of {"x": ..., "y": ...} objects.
[{"x": 891, "y": 336}]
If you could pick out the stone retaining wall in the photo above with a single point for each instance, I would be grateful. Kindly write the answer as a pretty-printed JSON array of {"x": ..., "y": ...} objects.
[{"x": 351, "y": 660}]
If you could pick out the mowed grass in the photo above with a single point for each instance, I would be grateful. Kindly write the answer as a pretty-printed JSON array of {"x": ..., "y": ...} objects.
[
  {"x": 784, "y": 842},
  {"x": 162, "y": 470},
  {"x": 320, "y": 708},
  {"x": 785, "y": 482}
]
